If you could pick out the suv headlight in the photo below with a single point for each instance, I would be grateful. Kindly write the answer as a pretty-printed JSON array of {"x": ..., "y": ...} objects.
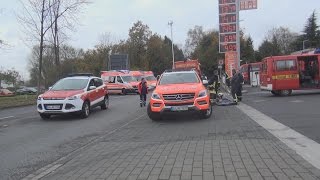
[
  {"x": 73, "y": 97},
  {"x": 203, "y": 93},
  {"x": 155, "y": 96},
  {"x": 39, "y": 98}
]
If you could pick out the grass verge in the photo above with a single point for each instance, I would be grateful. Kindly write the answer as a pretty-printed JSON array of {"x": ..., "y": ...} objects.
[{"x": 18, "y": 100}]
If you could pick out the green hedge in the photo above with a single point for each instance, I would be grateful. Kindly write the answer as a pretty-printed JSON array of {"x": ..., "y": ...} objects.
[{"x": 18, "y": 100}]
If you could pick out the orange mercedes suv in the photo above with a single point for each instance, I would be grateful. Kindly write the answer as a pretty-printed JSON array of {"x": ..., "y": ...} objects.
[{"x": 180, "y": 91}]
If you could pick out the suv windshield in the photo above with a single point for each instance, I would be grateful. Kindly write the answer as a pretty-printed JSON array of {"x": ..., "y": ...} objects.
[
  {"x": 70, "y": 84},
  {"x": 150, "y": 78},
  {"x": 128, "y": 79},
  {"x": 179, "y": 78}
]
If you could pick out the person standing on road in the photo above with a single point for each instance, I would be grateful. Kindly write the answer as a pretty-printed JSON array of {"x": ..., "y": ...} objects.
[
  {"x": 143, "y": 91},
  {"x": 234, "y": 85},
  {"x": 240, "y": 82},
  {"x": 213, "y": 86}
]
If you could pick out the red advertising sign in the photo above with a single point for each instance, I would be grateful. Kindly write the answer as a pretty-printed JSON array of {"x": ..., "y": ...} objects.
[
  {"x": 228, "y": 18},
  {"x": 227, "y": 38},
  {"x": 230, "y": 62},
  {"x": 228, "y": 28},
  {"x": 227, "y": 8},
  {"x": 226, "y": 1},
  {"x": 248, "y": 4},
  {"x": 227, "y": 25}
]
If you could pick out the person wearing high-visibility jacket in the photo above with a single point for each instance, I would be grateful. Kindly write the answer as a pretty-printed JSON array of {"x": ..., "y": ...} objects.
[{"x": 213, "y": 86}]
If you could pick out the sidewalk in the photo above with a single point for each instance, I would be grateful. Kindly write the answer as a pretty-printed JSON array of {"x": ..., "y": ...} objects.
[{"x": 230, "y": 145}]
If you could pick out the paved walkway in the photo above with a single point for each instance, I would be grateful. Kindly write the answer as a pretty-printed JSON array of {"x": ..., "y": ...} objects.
[{"x": 230, "y": 145}]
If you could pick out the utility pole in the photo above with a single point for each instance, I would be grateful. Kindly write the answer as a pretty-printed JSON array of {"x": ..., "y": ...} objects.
[{"x": 170, "y": 23}]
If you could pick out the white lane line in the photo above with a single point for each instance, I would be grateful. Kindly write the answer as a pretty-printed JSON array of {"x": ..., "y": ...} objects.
[
  {"x": 305, "y": 147},
  {"x": 39, "y": 174},
  {"x": 259, "y": 100},
  {"x": 296, "y": 101},
  {"x": 6, "y": 117}
]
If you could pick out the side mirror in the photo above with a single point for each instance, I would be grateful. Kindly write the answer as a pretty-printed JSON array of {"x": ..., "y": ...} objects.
[
  {"x": 50, "y": 87},
  {"x": 92, "y": 87},
  {"x": 205, "y": 82}
]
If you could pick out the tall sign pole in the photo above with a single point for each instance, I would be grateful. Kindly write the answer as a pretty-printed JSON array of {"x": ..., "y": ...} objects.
[
  {"x": 229, "y": 30},
  {"x": 238, "y": 35}
]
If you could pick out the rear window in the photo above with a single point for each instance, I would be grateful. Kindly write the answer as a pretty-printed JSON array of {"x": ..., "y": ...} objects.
[
  {"x": 286, "y": 65},
  {"x": 179, "y": 78}
]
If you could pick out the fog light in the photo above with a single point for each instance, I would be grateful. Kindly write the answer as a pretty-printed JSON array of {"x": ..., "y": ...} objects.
[
  {"x": 202, "y": 102},
  {"x": 40, "y": 107},
  {"x": 70, "y": 106},
  {"x": 156, "y": 105}
]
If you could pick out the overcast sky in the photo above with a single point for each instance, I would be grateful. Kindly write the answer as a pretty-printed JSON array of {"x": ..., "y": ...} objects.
[{"x": 117, "y": 16}]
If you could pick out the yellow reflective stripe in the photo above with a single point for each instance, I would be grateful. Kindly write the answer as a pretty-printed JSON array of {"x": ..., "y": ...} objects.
[{"x": 281, "y": 77}]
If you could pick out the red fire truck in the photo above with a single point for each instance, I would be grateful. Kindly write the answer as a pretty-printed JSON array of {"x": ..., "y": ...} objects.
[
  {"x": 188, "y": 65},
  {"x": 282, "y": 74}
]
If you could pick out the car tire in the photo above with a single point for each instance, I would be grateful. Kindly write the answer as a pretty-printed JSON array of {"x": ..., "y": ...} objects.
[
  {"x": 155, "y": 116},
  {"x": 123, "y": 92},
  {"x": 286, "y": 92},
  {"x": 105, "y": 103},
  {"x": 206, "y": 114},
  {"x": 276, "y": 93},
  {"x": 45, "y": 116},
  {"x": 85, "y": 112}
]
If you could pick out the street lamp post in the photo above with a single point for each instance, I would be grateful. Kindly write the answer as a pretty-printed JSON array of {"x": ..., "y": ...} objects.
[{"x": 170, "y": 23}]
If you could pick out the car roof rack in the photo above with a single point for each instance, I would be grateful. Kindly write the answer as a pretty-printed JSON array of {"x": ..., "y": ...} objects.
[
  {"x": 80, "y": 74},
  {"x": 179, "y": 70}
]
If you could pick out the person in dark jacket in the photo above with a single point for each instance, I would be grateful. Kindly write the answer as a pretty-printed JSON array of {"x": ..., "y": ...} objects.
[
  {"x": 240, "y": 82},
  {"x": 234, "y": 85},
  {"x": 143, "y": 91}
]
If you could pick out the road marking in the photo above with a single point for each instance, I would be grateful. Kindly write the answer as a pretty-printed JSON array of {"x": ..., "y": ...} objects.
[
  {"x": 39, "y": 174},
  {"x": 259, "y": 100},
  {"x": 297, "y": 101},
  {"x": 6, "y": 117},
  {"x": 305, "y": 147}
]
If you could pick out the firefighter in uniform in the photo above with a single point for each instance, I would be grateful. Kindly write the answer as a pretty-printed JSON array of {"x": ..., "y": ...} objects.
[{"x": 213, "y": 86}]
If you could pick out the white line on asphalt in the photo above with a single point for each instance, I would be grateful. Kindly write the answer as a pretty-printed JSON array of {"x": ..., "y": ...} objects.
[
  {"x": 55, "y": 165},
  {"x": 305, "y": 147},
  {"x": 259, "y": 100},
  {"x": 6, "y": 117},
  {"x": 296, "y": 101}
]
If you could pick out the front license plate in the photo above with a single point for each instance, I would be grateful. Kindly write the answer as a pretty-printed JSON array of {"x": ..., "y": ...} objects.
[
  {"x": 179, "y": 108},
  {"x": 53, "y": 107}
]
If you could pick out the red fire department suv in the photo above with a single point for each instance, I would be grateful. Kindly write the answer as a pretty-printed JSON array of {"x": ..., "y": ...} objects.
[
  {"x": 180, "y": 91},
  {"x": 75, "y": 94}
]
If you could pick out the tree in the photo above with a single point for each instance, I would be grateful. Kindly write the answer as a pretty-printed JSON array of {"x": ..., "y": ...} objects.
[
  {"x": 139, "y": 35},
  {"x": 38, "y": 17},
  {"x": 283, "y": 38},
  {"x": 10, "y": 76},
  {"x": 268, "y": 48},
  {"x": 311, "y": 31},
  {"x": 63, "y": 15},
  {"x": 194, "y": 38},
  {"x": 247, "y": 50}
]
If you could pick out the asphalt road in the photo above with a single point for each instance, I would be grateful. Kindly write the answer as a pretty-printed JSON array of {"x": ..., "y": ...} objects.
[
  {"x": 28, "y": 143},
  {"x": 300, "y": 111}
]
